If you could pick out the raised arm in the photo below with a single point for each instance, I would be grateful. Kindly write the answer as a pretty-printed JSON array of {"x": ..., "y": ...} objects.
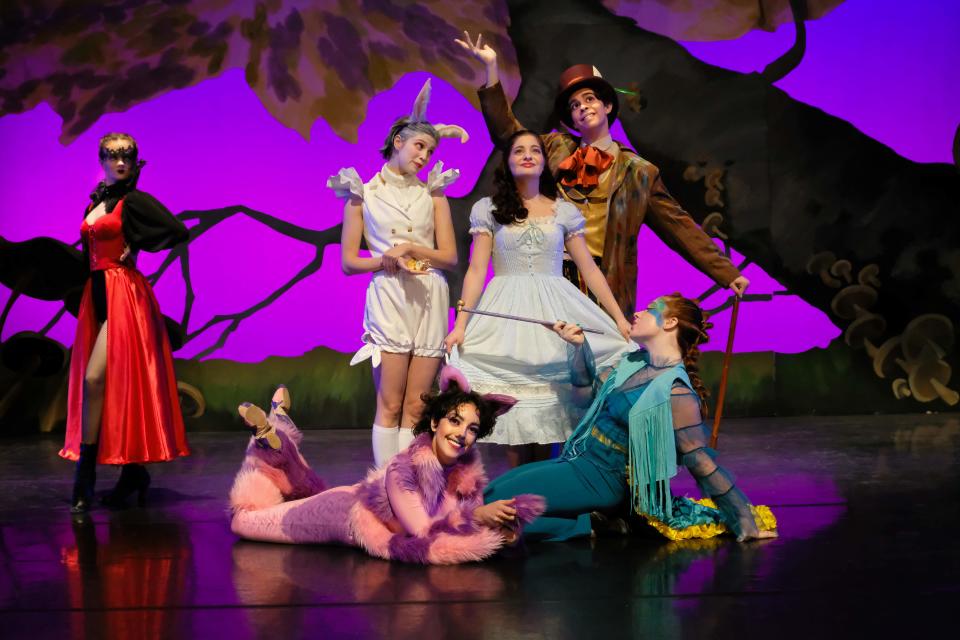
[
  {"x": 676, "y": 228},
  {"x": 501, "y": 123}
]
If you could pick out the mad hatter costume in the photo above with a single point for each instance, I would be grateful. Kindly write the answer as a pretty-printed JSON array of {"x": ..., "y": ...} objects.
[{"x": 615, "y": 189}]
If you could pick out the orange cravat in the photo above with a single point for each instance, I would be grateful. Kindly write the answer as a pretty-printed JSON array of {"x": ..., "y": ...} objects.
[{"x": 583, "y": 168}]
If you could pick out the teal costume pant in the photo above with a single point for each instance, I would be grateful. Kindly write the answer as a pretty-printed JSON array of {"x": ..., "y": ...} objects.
[{"x": 572, "y": 488}]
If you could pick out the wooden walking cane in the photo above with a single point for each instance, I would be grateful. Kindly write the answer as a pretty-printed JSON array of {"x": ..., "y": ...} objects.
[{"x": 727, "y": 356}]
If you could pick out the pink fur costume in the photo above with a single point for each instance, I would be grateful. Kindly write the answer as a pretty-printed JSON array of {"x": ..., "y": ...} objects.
[{"x": 414, "y": 510}]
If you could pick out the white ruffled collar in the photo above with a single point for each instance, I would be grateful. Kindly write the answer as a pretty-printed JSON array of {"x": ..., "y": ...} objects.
[{"x": 397, "y": 180}]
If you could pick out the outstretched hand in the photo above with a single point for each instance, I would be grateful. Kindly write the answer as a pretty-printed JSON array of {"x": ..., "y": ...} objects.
[
  {"x": 453, "y": 339},
  {"x": 569, "y": 331},
  {"x": 479, "y": 50},
  {"x": 496, "y": 514},
  {"x": 739, "y": 286}
]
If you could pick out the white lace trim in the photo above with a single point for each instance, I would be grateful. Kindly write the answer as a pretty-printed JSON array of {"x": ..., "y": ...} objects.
[
  {"x": 475, "y": 230},
  {"x": 529, "y": 425}
]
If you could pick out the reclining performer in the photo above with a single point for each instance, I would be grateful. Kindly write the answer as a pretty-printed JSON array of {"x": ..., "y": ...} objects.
[{"x": 426, "y": 506}]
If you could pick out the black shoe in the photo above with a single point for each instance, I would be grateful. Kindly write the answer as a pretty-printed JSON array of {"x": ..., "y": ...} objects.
[
  {"x": 603, "y": 525},
  {"x": 84, "y": 479},
  {"x": 134, "y": 478}
]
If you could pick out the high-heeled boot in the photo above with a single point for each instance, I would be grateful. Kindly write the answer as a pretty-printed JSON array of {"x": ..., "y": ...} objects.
[
  {"x": 134, "y": 478},
  {"x": 84, "y": 479}
]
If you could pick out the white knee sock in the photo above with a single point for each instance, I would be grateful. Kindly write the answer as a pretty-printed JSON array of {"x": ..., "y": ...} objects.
[
  {"x": 384, "y": 442},
  {"x": 405, "y": 438}
]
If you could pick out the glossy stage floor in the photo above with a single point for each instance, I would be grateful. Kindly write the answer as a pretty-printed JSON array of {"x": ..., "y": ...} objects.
[{"x": 868, "y": 515}]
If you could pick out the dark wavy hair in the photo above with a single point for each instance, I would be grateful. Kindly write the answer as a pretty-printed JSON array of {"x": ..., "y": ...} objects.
[
  {"x": 692, "y": 327},
  {"x": 507, "y": 206},
  {"x": 438, "y": 405}
]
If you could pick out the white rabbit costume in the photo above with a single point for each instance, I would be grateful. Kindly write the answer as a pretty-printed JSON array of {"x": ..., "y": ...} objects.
[{"x": 404, "y": 313}]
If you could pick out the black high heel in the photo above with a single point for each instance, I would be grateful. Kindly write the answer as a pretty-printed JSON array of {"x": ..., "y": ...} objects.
[
  {"x": 84, "y": 479},
  {"x": 134, "y": 478}
]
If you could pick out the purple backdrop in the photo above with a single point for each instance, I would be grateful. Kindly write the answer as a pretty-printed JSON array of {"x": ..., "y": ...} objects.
[{"x": 893, "y": 73}]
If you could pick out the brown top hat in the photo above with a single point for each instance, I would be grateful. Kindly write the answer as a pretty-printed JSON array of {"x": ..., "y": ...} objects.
[{"x": 583, "y": 76}]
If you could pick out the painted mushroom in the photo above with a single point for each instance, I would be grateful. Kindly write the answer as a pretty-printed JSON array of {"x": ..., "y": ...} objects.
[
  {"x": 931, "y": 330},
  {"x": 869, "y": 276},
  {"x": 901, "y": 389},
  {"x": 42, "y": 268},
  {"x": 884, "y": 357},
  {"x": 30, "y": 355},
  {"x": 868, "y": 326},
  {"x": 928, "y": 380},
  {"x": 853, "y": 301},
  {"x": 819, "y": 264},
  {"x": 842, "y": 269},
  {"x": 191, "y": 400},
  {"x": 693, "y": 172},
  {"x": 711, "y": 225}
]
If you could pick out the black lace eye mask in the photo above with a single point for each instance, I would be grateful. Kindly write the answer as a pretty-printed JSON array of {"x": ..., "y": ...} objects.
[{"x": 126, "y": 153}]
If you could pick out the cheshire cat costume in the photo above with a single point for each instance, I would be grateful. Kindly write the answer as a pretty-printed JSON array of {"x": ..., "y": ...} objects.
[{"x": 413, "y": 510}]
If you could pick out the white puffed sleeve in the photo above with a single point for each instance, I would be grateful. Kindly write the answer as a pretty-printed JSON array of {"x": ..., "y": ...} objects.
[
  {"x": 570, "y": 218},
  {"x": 346, "y": 184},
  {"x": 481, "y": 218},
  {"x": 438, "y": 180}
]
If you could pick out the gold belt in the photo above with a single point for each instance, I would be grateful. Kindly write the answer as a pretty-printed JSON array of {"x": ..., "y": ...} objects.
[{"x": 604, "y": 440}]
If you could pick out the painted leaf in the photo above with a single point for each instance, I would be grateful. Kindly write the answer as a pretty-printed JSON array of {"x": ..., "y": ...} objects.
[{"x": 303, "y": 58}]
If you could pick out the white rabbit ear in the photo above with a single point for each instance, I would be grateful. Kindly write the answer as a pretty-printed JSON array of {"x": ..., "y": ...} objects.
[
  {"x": 452, "y": 131},
  {"x": 419, "y": 113}
]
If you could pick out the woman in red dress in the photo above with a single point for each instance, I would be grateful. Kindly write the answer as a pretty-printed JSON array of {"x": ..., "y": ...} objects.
[{"x": 123, "y": 406}]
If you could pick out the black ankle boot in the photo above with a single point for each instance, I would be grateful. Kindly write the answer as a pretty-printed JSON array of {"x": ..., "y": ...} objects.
[
  {"x": 84, "y": 479},
  {"x": 134, "y": 478}
]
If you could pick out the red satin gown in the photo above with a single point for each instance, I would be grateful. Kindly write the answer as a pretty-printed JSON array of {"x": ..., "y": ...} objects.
[{"x": 141, "y": 419}]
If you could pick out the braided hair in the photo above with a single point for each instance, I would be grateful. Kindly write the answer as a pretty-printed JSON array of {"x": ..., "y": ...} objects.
[
  {"x": 507, "y": 206},
  {"x": 692, "y": 327}
]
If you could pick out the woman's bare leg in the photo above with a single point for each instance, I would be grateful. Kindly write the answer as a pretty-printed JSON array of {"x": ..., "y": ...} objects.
[
  {"x": 420, "y": 378},
  {"x": 390, "y": 381},
  {"x": 94, "y": 384}
]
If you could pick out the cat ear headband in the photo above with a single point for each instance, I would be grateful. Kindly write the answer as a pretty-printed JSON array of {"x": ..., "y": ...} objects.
[{"x": 451, "y": 376}]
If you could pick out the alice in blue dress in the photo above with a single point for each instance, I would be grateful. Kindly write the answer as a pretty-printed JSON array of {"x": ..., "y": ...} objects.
[{"x": 525, "y": 360}]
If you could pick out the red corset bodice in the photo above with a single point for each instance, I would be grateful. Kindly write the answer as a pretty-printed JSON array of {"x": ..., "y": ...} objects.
[{"x": 105, "y": 239}]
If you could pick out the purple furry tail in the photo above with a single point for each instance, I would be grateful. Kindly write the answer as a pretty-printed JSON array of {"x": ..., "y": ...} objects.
[{"x": 529, "y": 507}]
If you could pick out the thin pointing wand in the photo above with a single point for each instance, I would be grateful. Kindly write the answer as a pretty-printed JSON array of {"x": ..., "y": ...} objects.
[{"x": 505, "y": 316}]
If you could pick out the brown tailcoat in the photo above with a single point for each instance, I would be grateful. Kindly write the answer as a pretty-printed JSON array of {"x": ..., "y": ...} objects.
[{"x": 637, "y": 195}]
